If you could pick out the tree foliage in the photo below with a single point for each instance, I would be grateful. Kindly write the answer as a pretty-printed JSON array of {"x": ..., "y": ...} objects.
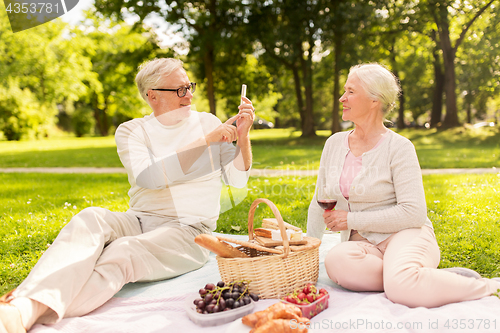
[
  {"x": 21, "y": 115},
  {"x": 39, "y": 65},
  {"x": 412, "y": 38},
  {"x": 84, "y": 73},
  {"x": 288, "y": 32},
  {"x": 453, "y": 20},
  {"x": 293, "y": 55},
  {"x": 478, "y": 72},
  {"x": 115, "y": 50}
]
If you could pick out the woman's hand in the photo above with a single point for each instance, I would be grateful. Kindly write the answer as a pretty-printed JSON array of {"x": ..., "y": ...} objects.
[{"x": 335, "y": 220}]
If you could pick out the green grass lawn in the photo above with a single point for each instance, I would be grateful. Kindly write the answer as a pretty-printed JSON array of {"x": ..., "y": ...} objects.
[
  {"x": 34, "y": 207},
  {"x": 463, "y": 209},
  {"x": 272, "y": 148},
  {"x": 456, "y": 148},
  {"x": 60, "y": 152}
]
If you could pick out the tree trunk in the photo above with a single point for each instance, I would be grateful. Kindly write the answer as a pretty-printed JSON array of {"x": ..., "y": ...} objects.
[
  {"x": 100, "y": 117},
  {"x": 469, "y": 117},
  {"x": 336, "y": 84},
  {"x": 401, "y": 111},
  {"x": 437, "y": 99},
  {"x": 468, "y": 106},
  {"x": 292, "y": 65},
  {"x": 451, "y": 117},
  {"x": 449, "y": 53},
  {"x": 298, "y": 93},
  {"x": 308, "y": 124},
  {"x": 209, "y": 74}
]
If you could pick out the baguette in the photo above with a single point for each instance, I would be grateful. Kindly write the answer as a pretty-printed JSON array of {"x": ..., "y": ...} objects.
[{"x": 218, "y": 247}]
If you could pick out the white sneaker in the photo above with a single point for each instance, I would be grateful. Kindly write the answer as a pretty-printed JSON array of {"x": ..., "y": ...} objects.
[{"x": 464, "y": 272}]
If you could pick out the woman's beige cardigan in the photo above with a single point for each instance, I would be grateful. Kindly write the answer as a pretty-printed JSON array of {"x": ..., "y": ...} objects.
[{"x": 385, "y": 197}]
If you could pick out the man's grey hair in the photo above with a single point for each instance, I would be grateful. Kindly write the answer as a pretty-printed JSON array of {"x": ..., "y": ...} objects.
[{"x": 152, "y": 71}]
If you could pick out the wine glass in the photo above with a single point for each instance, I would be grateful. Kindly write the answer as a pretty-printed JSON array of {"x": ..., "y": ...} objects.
[{"x": 323, "y": 194}]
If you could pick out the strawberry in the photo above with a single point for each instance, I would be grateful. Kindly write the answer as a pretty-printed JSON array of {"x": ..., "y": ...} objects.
[
  {"x": 323, "y": 291},
  {"x": 301, "y": 296},
  {"x": 310, "y": 288},
  {"x": 321, "y": 295},
  {"x": 311, "y": 297},
  {"x": 291, "y": 299}
]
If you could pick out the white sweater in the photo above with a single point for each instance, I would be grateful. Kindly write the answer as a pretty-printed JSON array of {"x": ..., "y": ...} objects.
[
  {"x": 385, "y": 197},
  {"x": 159, "y": 187}
]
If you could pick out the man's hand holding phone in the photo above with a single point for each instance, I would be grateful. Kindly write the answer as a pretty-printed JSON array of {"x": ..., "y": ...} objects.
[
  {"x": 246, "y": 114},
  {"x": 227, "y": 132}
]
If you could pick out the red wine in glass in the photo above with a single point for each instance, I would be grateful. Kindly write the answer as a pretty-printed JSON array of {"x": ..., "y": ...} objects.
[{"x": 327, "y": 204}]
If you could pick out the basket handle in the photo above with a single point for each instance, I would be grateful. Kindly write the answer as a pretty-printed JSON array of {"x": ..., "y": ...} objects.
[{"x": 277, "y": 215}]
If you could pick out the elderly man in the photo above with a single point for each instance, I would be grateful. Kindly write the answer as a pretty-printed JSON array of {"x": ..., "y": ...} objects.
[{"x": 175, "y": 159}]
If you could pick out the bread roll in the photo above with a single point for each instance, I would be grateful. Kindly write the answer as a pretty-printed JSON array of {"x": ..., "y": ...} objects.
[{"x": 263, "y": 232}]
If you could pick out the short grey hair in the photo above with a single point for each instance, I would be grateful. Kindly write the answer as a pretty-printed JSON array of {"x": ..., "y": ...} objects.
[
  {"x": 379, "y": 83},
  {"x": 152, "y": 71}
]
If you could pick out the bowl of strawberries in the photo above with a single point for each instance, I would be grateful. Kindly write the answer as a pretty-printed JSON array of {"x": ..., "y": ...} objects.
[{"x": 309, "y": 299}]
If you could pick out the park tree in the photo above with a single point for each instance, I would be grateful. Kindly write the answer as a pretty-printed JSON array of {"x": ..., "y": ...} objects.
[
  {"x": 388, "y": 27},
  {"x": 21, "y": 114},
  {"x": 115, "y": 50},
  {"x": 218, "y": 42},
  {"x": 84, "y": 73},
  {"x": 401, "y": 44},
  {"x": 288, "y": 32},
  {"x": 347, "y": 27},
  {"x": 445, "y": 23},
  {"x": 51, "y": 69},
  {"x": 416, "y": 76},
  {"x": 261, "y": 89},
  {"x": 35, "y": 84},
  {"x": 283, "y": 80},
  {"x": 453, "y": 20},
  {"x": 419, "y": 21},
  {"x": 439, "y": 81},
  {"x": 211, "y": 27},
  {"x": 478, "y": 72}
]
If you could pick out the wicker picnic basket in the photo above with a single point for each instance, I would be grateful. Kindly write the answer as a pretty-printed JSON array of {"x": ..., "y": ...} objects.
[{"x": 273, "y": 272}]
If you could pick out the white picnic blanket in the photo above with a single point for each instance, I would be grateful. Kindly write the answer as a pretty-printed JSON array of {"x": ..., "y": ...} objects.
[{"x": 159, "y": 307}]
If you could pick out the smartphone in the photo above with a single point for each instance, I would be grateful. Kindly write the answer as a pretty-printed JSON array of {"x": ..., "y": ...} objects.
[{"x": 243, "y": 92}]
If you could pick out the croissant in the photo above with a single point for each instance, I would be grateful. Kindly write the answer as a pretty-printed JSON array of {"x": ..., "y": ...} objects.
[
  {"x": 252, "y": 318},
  {"x": 267, "y": 314},
  {"x": 284, "y": 306},
  {"x": 280, "y": 314},
  {"x": 280, "y": 326}
]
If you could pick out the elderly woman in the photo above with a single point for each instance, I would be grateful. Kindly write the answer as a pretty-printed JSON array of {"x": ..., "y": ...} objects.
[{"x": 387, "y": 241}]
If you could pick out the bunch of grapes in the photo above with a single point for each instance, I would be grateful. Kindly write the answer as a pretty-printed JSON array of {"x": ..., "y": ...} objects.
[{"x": 224, "y": 297}]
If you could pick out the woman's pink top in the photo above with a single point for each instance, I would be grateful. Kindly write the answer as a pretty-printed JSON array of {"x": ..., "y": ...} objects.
[{"x": 352, "y": 166}]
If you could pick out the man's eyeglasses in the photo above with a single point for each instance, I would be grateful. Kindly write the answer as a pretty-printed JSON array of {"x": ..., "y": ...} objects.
[{"x": 182, "y": 91}]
